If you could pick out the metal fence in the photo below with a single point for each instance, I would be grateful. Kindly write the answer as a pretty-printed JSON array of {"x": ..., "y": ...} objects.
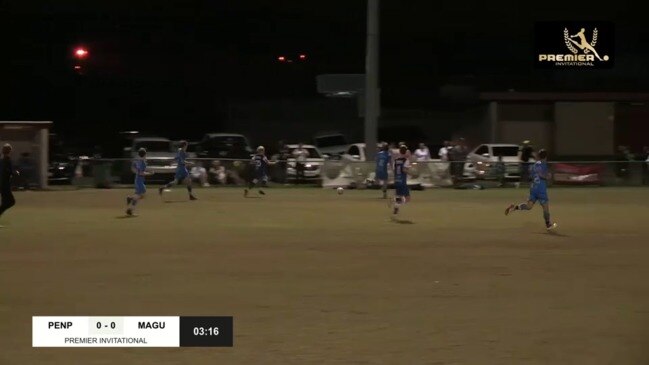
[{"x": 106, "y": 173}]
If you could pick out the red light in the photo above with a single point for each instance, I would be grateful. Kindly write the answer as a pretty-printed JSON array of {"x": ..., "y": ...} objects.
[
  {"x": 281, "y": 58},
  {"x": 303, "y": 57},
  {"x": 81, "y": 53}
]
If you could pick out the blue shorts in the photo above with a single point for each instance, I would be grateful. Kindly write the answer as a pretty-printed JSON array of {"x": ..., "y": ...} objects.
[
  {"x": 381, "y": 175},
  {"x": 140, "y": 188},
  {"x": 401, "y": 189},
  {"x": 539, "y": 194},
  {"x": 181, "y": 174}
]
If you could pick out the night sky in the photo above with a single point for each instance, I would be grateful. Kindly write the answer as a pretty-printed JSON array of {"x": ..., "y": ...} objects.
[{"x": 153, "y": 61}]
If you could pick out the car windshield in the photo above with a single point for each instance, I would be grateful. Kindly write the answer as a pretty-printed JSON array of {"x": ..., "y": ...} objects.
[
  {"x": 328, "y": 141},
  {"x": 154, "y": 146},
  {"x": 313, "y": 153},
  {"x": 506, "y": 151}
]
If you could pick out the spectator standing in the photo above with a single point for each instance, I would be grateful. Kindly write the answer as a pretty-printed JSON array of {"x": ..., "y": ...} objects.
[
  {"x": 300, "y": 154},
  {"x": 7, "y": 172},
  {"x": 457, "y": 156},
  {"x": 422, "y": 153},
  {"x": 443, "y": 152}
]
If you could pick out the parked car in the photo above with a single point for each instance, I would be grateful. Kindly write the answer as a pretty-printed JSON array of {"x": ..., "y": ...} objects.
[
  {"x": 61, "y": 169},
  {"x": 356, "y": 151},
  {"x": 483, "y": 158},
  {"x": 224, "y": 146},
  {"x": 331, "y": 145},
  {"x": 160, "y": 159},
  {"x": 312, "y": 165}
]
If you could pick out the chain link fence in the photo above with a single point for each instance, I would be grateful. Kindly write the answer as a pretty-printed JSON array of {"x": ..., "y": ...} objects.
[{"x": 107, "y": 173}]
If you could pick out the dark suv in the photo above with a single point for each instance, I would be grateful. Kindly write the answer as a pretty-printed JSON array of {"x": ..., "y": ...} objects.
[{"x": 224, "y": 146}]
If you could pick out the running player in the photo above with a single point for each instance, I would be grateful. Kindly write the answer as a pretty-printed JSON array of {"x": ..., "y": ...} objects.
[
  {"x": 182, "y": 175},
  {"x": 382, "y": 162},
  {"x": 139, "y": 169},
  {"x": 538, "y": 190},
  {"x": 260, "y": 164},
  {"x": 402, "y": 193}
]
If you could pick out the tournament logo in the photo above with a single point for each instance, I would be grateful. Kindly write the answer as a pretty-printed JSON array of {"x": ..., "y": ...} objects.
[{"x": 574, "y": 44}]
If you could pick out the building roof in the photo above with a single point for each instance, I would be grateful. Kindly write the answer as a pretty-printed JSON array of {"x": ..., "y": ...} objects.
[
  {"x": 550, "y": 96},
  {"x": 24, "y": 122}
]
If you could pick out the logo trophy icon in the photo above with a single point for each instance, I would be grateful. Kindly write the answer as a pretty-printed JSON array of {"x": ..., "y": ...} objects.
[{"x": 583, "y": 44}]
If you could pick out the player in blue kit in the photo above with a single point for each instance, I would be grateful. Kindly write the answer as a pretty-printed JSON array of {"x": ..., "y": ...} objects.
[
  {"x": 382, "y": 162},
  {"x": 182, "y": 175},
  {"x": 401, "y": 164},
  {"x": 139, "y": 169},
  {"x": 538, "y": 190},
  {"x": 260, "y": 165}
]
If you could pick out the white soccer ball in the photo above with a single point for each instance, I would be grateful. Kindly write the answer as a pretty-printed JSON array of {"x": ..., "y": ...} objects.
[{"x": 340, "y": 190}]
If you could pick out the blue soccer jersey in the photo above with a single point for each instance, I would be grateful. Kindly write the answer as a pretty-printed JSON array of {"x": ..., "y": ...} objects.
[
  {"x": 382, "y": 162},
  {"x": 139, "y": 166},
  {"x": 538, "y": 189},
  {"x": 181, "y": 169},
  {"x": 181, "y": 156}
]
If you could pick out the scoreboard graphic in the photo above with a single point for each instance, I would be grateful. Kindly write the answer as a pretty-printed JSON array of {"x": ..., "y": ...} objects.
[{"x": 132, "y": 331}]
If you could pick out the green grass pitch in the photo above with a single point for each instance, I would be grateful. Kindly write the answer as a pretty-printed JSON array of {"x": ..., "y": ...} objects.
[{"x": 312, "y": 277}]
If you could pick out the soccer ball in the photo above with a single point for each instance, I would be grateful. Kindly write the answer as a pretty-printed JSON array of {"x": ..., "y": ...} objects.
[{"x": 340, "y": 190}]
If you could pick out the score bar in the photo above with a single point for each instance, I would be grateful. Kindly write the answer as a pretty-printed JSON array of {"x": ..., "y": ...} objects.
[{"x": 132, "y": 331}]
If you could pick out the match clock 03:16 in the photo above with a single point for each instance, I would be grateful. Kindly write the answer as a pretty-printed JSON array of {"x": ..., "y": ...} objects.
[{"x": 206, "y": 331}]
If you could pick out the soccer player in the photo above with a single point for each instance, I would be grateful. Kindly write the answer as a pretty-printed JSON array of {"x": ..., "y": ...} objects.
[
  {"x": 139, "y": 169},
  {"x": 382, "y": 162},
  {"x": 182, "y": 175},
  {"x": 6, "y": 173},
  {"x": 402, "y": 193},
  {"x": 538, "y": 190},
  {"x": 260, "y": 164}
]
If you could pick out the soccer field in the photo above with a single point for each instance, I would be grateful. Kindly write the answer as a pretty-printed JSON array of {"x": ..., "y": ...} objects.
[{"x": 312, "y": 277}]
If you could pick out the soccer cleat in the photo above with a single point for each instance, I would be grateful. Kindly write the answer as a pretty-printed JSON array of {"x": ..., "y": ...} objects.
[
  {"x": 509, "y": 209},
  {"x": 129, "y": 212},
  {"x": 245, "y": 193},
  {"x": 262, "y": 192},
  {"x": 191, "y": 197},
  {"x": 395, "y": 210},
  {"x": 550, "y": 227},
  {"x": 161, "y": 190},
  {"x": 129, "y": 200}
]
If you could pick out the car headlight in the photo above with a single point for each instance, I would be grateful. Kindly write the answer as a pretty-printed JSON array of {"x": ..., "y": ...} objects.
[{"x": 307, "y": 165}]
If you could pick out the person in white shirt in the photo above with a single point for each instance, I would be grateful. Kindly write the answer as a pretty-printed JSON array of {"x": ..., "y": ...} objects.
[
  {"x": 300, "y": 154},
  {"x": 199, "y": 173},
  {"x": 422, "y": 153},
  {"x": 443, "y": 152}
]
